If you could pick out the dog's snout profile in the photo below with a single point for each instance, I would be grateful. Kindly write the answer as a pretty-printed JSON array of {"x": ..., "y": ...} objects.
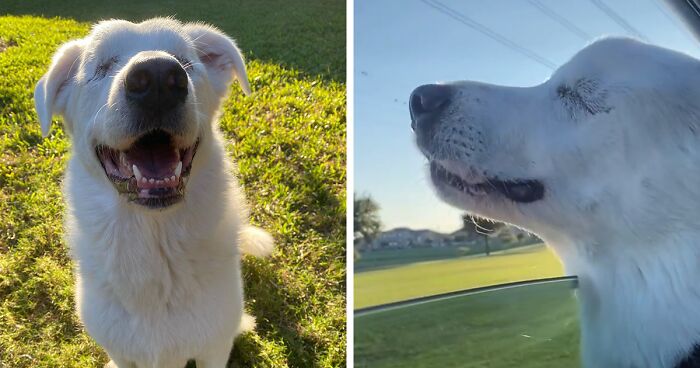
[
  {"x": 427, "y": 99},
  {"x": 156, "y": 84}
]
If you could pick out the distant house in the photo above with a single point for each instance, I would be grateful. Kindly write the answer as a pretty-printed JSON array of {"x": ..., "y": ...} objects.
[{"x": 402, "y": 237}]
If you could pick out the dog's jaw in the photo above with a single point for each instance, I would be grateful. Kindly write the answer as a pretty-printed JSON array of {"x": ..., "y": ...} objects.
[{"x": 516, "y": 190}]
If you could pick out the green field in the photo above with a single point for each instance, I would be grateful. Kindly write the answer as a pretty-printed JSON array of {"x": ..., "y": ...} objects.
[
  {"x": 386, "y": 258},
  {"x": 308, "y": 37},
  {"x": 532, "y": 326},
  {"x": 288, "y": 139},
  {"x": 435, "y": 277}
]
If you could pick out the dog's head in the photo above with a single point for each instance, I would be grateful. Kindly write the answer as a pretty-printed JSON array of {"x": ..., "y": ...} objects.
[
  {"x": 138, "y": 100},
  {"x": 608, "y": 142}
]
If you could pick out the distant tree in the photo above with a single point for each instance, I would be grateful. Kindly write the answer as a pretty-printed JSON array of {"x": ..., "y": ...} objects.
[
  {"x": 484, "y": 227},
  {"x": 366, "y": 221}
]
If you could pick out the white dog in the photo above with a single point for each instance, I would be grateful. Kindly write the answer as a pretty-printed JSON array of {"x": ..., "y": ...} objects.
[
  {"x": 603, "y": 162},
  {"x": 154, "y": 212}
]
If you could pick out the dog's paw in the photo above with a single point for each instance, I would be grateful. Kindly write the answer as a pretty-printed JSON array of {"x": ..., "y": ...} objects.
[
  {"x": 256, "y": 242},
  {"x": 247, "y": 323}
]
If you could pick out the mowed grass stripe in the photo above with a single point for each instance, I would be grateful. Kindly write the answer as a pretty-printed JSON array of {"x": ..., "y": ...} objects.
[
  {"x": 437, "y": 277},
  {"x": 573, "y": 281},
  {"x": 530, "y": 326}
]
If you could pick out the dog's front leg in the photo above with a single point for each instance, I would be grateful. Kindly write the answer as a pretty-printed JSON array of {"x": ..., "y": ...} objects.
[
  {"x": 119, "y": 363},
  {"x": 217, "y": 355}
]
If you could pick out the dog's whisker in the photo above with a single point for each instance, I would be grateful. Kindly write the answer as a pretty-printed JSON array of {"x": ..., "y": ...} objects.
[{"x": 94, "y": 119}]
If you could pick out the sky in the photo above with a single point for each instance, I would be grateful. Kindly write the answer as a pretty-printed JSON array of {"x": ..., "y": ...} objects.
[{"x": 401, "y": 44}]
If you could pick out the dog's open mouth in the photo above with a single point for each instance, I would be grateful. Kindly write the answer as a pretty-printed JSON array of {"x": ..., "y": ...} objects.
[
  {"x": 152, "y": 172},
  {"x": 517, "y": 190}
]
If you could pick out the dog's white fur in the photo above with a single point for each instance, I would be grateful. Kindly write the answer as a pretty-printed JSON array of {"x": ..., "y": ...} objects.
[
  {"x": 154, "y": 288},
  {"x": 621, "y": 169}
]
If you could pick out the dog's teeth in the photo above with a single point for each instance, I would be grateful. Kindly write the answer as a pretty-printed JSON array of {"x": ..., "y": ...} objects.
[
  {"x": 122, "y": 158},
  {"x": 151, "y": 180},
  {"x": 178, "y": 169},
  {"x": 144, "y": 180},
  {"x": 137, "y": 173},
  {"x": 167, "y": 180},
  {"x": 173, "y": 178}
]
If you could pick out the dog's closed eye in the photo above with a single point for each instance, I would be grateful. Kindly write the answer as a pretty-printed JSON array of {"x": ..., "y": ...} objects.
[
  {"x": 584, "y": 98},
  {"x": 103, "y": 68}
]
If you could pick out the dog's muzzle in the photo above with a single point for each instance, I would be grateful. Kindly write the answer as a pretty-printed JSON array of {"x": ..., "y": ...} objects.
[
  {"x": 427, "y": 106},
  {"x": 152, "y": 172}
]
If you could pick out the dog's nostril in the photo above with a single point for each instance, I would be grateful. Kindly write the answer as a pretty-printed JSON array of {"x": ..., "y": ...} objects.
[
  {"x": 416, "y": 105},
  {"x": 177, "y": 79},
  {"x": 429, "y": 98},
  {"x": 137, "y": 82},
  {"x": 156, "y": 84}
]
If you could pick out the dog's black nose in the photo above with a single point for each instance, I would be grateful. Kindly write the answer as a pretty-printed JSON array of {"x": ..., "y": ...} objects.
[
  {"x": 428, "y": 98},
  {"x": 156, "y": 84}
]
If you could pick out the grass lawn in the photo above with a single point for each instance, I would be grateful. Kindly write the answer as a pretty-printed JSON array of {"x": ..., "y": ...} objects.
[
  {"x": 288, "y": 140},
  {"x": 532, "y": 326},
  {"x": 387, "y": 258},
  {"x": 307, "y": 36},
  {"x": 436, "y": 277}
]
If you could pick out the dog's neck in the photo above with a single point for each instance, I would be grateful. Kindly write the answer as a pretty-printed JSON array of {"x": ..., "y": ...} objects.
[{"x": 639, "y": 303}]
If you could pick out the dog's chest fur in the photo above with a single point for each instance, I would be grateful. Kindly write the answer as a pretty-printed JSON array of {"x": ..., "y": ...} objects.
[
  {"x": 639, "y": 307},
  {"x": 154, "y": 285},
  {"x": 147, "y": 265}
]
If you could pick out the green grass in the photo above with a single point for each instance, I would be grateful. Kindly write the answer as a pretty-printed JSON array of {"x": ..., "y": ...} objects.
[
  {"x": 288, "y": 140},
  {"x": 304, "y": 35},
  {"x": 534, "y": 326},
  {"x": 387, "y": 258},
  {"x": 436, "y": 277}
]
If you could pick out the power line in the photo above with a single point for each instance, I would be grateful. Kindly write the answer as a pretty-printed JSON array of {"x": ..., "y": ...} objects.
[
  {"x": 561, "y": 20},
  {"x": 618, "y": 19},
  {"x": 435, "y": 4},
  {"x": 665, "y": 13},
  {"x": 675, "y": 22}
]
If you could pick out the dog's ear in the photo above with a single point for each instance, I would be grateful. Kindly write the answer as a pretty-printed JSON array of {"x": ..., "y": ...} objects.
[
  {"x": 220, "y": 56},
  {"x": 52, "y": 90}
]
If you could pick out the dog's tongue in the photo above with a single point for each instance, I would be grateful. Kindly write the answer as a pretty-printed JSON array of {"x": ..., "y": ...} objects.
[{"x": 155, "y": 156}]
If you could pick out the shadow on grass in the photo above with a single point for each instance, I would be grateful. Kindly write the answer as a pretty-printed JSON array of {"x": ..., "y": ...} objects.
[
  {"x": 307, "y": 36},
  {"x": 276, "y": 307}
]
